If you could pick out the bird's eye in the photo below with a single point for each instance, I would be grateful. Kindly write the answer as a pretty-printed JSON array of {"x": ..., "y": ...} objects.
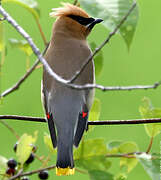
[{"x": 82, "y": 20}]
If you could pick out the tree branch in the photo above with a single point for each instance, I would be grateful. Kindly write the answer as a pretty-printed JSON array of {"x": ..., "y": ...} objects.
[
  {"x": 108, "y": 122},
  {"x": 115, "y": 88},
  {"x": 23, "y": 118},
  {"x": 126, "y": 155},
  {"x": 31, "y": 172},
  {"x": 69, "y": 82},
  {"x": 103, "y": 44},
  {"x": 17, "y": 175},
  {"x": 41, "y": 32},
  {"x": 10, "y": 129},
  {"x": 150, "y": 145},
  {"x": 52, "y": 73},
  {"x": 23, "y": 78},
  {"x": 21, "y": 174},
  {"x": 33, "y": 46}
]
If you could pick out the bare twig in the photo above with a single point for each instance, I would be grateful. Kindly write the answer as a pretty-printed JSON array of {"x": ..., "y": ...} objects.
[
  {"x": 69, "y": 82},
  {"x": 22, "y": 79},
  {"x": 126, "y": 122},
  {"x": 10, "y": 128},
  {"x": 21, "y": 174},
  {"x": 23, "y": 118},
  {"x": 151, "y": 141},
  {"x": 115, "y": 88},
  {"x": 150, "y": 145},
  {"x": 104, "y": 43},
  {"x": 81, "y": 171},
  {"x": 108, "y": 122},
  {"x": 33, "y": 46},
  {"x": 120, "y": 156},
  {"x": 17, "y": 175},
  {"x": 41, "y": 32},
  {"x": 127, "y": 155},
  {"x": 31, "y": 172}
]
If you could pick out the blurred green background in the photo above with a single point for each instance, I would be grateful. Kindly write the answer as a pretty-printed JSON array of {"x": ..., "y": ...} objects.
[{"x": 141, "y": 65}]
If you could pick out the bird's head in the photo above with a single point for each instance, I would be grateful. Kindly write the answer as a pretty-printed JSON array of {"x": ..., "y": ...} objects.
[{"x": 73, "y": 20}]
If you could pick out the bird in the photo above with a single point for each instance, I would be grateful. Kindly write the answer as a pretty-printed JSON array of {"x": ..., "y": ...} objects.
[{"x": 67, "y": 109}]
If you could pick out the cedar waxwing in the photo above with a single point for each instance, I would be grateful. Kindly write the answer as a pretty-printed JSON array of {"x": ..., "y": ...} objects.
[{"x": 66, "y": 108}]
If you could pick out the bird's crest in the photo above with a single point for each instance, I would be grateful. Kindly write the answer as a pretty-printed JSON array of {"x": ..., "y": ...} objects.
[{"x": 68, "y": 9}]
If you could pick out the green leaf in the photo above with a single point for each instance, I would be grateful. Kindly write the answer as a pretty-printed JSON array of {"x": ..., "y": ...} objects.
[
  {"x": 128, "y": 147},
  {"x": 118, "y": 147},
  {"x": 91, "y": 147},
  {"x": 91, "y": 155},
  {"x": 112, "y": 11},
  {"x": 93, "y": 163},
  {"x": 30, "y": 5},
  {"x": 120, "y": 176},
  {"x": 100, "y": 175},
  {"x": 24, "y": 147},
  {"x": 113, "y": 147},
  {"x": 151, "y": 165},
  {"x": 95, "y": 111},
  {"x": 48, "y": 143},
  {"x": 3, "y": 165},
  {"x": 22, "y": 45},
  {"x": 98, "y": 59},
  {"x": 129, "y": 163},
  {"x": 148, "y": 111},
  {"x": 2, "y": 42}
]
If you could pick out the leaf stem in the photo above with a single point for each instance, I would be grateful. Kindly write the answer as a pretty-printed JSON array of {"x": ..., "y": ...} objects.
[
  {"x": 27, "y": 63},
  {"x": 38, "y": 158},
  {"x": 32, "y": 172},
  {"x": 81, "y": 171},
  {"x": 150, "y": 145},
  {"x": 128, "y": 155},
  {"x": 10, "y": 129},
  {"x": 41, "y": 32},
  {"x": 151, "y": 140}
]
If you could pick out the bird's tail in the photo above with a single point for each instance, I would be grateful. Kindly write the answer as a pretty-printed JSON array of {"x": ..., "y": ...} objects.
[
  {"x": 65, "y": 163},
  {"x": 66, "y": 120}
]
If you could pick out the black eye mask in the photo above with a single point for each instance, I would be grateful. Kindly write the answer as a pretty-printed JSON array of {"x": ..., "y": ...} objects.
[{"x": 82, "y": 20}]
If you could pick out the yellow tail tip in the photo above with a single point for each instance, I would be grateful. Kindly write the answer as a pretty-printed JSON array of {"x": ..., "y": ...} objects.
[{"x": 65, "y": 171}]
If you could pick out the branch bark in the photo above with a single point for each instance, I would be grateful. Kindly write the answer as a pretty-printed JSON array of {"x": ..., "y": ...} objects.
[
  {"x": 103, "y": 44},
  {"x": 127, "y": 155},
  {"x": 31, "y": 43},
  {"x": 23, "y": 78},
  {"x": 107, "y": 122},
  {"x": 31, "y": 172},
  {"x": 57, "y": 77}
]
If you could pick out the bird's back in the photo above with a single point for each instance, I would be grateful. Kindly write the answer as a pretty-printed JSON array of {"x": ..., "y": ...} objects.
[{"x": 66, "y": 55}]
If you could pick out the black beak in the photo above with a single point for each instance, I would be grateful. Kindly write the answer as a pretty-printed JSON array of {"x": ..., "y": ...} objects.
[{"x": 93, "y": 23}]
